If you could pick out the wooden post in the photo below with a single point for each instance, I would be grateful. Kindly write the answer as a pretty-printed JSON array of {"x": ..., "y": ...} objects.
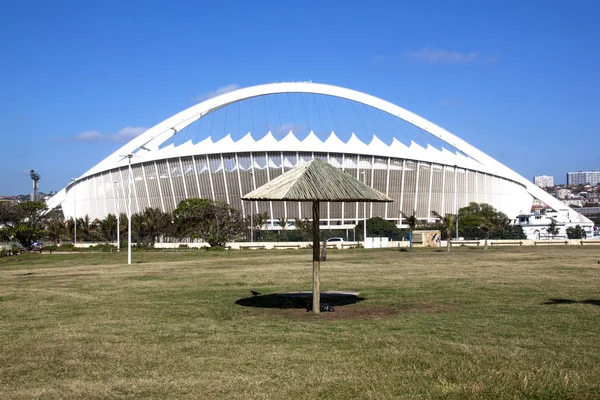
[{"x": 316, "y": 306}]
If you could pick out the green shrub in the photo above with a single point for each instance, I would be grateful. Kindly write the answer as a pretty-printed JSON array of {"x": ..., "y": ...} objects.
[
  {"x": 2, "y": 252},
  {"x": 49, "y": 249}
]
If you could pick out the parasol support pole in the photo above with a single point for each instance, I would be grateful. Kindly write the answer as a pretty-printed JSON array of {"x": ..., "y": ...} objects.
[{"x": 316, "y": 305}]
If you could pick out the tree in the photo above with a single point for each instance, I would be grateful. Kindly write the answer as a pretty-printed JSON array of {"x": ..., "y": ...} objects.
[
  {"x": 412, "y": 223},
  {"x": 108, "y": 228},
  {"x": 214, "y": 221},
  {"x": 86, "y": 228},
  {"x": 259, "y": 220},
  {"x": 26, "y": 223},
  {"x": 54, "y": 228},
  {"x": 482, "y": 221},
  {"x": 552, "y": 229},
  {"x": 576, "y": 232},
  {"x": 380, "y": 227},
  {"x": 447, "y": 226},
  {"x": 155, "y": 222}
]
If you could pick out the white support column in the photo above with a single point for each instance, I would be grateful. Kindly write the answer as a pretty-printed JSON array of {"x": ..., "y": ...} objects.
[
  {"x": 160, "y": 193},
  {"x": 456, "y": 193},
  {"x": 146, "y": 184},
  {"x": 466, "y": 187},
  {"x": 237, "y": 168},
  {"x": 416, "y": 189},
  {"x": 171, "y": 182},
  {"x": 328, "y": 203},
  {"x": 430, "y": 187},
  {"x": 283, "y": 172},
  {"x": 253, "y": 182},
  {"x": 210, "y": 178},
  {"x": 299, "y": 203},
  {"x": 485, "y": 189},
  {"x": 269, "y": 180},
  {"x": 112, "y": 185},
  {"x": 343, "y": 204},
  {"x": 104, "y": 194},
  {"x": 197, "y": 179},
  {"x": 387, "y": 186},
  {"x": 225, "y": 179},
  {"x": 477, "y": 199},
  {"x": 185, "y": 191},
  {"x": 372, "y": 178},
  {"x": 443, "y": 211},
  {"x": 124, "y": 186},
  {"x": 357, "y": 177},
  {"x": 402, "y": 185}
]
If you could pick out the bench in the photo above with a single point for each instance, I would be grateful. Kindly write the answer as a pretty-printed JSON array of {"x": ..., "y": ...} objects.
[
  {"x": 551, "y": 242},
  {"x": 465, "y": 242},
  {"x": 590, "y": 241},
  {"x": 329, "y": 246},
  {"x": 350, "y": 245},
  {"x": 520, "y": 243},
  {"x": 286, "y": 246},
  {"x": 252, "y": 247}
]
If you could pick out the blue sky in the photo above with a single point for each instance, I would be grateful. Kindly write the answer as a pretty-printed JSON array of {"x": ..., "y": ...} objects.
[{"x": 519, "y": 80}]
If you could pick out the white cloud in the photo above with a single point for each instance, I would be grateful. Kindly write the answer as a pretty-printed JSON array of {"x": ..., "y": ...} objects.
[
  {"x": 124, "y": 135},
  {"x": 220, "y": 90},
  {"x": 432, "y": 56}
]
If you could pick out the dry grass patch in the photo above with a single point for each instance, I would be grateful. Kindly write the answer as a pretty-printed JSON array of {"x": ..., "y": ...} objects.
[{"x": 505, "y": 323}]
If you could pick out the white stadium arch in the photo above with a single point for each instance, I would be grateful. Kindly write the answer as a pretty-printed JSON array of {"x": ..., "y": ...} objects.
[{"x": 477, "y": 176}]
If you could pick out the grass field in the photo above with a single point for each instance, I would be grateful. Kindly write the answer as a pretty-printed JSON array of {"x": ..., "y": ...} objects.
[{"x": 506, "y": 323}]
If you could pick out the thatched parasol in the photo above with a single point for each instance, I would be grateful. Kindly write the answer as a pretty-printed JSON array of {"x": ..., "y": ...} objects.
[{"x": 316, "y": 181}]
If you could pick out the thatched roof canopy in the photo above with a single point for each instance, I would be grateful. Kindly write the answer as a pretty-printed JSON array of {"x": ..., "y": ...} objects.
[{"x": 317, "y": 181}]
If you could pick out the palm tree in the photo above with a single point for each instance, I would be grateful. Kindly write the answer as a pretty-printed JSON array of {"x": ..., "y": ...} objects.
[
  {"x": 55, "y": 227},
  {"x": 138, "y": 228},
  {"x": 70, "y": 227},
  {"x": 283, "y": 223},
  {"x": 447, "y": 224},
  {"x": 86, "y": 228},
  {"x": 108, "y": 228},
  {"x": 412, "y": 224},
  {"x": 260, "y": 219},
  {"x": 155, "y": 222}
]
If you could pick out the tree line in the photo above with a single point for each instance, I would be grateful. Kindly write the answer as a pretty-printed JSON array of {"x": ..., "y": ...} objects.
[{"x": 218, "y": 223}]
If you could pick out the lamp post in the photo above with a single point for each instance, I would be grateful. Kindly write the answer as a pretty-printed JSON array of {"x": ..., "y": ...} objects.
[
  {"x": 456, "y": 199},
  {"x": 364, "y": 214},
  {"x": 74, "y": 211},
  {"x": 252, "y": 213},
  {"x": 118, "y": 218},
  {"x": 129, "y": 156}
]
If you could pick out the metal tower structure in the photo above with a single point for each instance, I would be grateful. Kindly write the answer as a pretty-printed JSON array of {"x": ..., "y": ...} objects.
[{"x": 35, "y": 177}]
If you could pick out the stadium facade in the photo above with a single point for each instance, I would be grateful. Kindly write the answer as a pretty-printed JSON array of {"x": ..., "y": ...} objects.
[{"x": 420, "y": 177}]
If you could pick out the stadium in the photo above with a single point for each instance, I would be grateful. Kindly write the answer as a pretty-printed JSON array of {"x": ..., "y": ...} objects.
[{"x": 228, "y": 145}]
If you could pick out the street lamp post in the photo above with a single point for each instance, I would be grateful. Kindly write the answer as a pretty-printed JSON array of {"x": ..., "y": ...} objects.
[
  {"x": 252, "y": 212},
  {"x": 118, "y": 218},
  {"x": 74, "y": 211},
  {"x": 364, "y": 214},
  {"x": 129, "y": 156},
  {"x": 456, "y": 199}
]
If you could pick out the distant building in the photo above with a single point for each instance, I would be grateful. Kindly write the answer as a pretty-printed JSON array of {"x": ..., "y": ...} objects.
[
  {"x": 573, "y": 202},
  {"x": 562, "y": 193},
  {"x": 9, "y": 199},
  {"x": 543, "y": 180},
  {"x": 583, "y": 178}
]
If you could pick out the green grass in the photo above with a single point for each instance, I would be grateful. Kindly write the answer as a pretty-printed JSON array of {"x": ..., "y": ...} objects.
[{"x": 471, "y": 324}]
